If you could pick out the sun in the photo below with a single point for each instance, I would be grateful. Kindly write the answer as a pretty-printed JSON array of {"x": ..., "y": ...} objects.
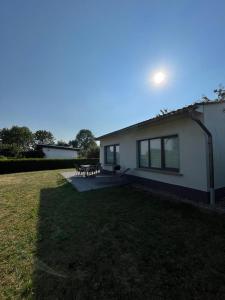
[{"x": 159, "y": 78}]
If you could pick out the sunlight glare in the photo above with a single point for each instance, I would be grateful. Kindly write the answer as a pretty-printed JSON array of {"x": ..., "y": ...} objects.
[{"x": 159, "y": 78}]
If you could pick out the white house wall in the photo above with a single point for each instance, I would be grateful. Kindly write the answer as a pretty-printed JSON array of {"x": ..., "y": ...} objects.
[
  {"x": 193, "y": 173},
  {"x": 214, "y": 119},
  {"x": 59, "y": 153}
]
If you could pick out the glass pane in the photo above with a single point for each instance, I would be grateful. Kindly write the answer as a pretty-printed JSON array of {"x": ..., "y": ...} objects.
[
  {"x": 143, "y": 152},
  {"x": 171, "y": 146},
  {"x": 155, "y": 151},
  {"x": 117, "y": 154},
  {"x": 109, "y": 154}
]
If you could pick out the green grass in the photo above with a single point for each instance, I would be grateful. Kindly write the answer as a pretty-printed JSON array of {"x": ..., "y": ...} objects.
[{"x": 113, "y": 243}]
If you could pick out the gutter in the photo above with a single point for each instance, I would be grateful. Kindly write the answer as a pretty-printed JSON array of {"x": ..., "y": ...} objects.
[{"x": 210, "y": 159}]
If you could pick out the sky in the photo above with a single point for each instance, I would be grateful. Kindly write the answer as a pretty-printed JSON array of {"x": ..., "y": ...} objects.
[{"x": 68, "y": 64}]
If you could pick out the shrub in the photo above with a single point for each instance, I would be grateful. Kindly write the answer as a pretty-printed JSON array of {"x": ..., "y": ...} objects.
[
  {"x": 2, "y": 157},
  {"x": 10, "y": 150},
  {"x": 33, "y": 154},
  {"x": 38, "y": 164}
]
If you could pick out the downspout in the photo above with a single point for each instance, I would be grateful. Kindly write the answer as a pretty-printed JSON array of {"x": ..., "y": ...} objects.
[{"x": 210, "y": 159}]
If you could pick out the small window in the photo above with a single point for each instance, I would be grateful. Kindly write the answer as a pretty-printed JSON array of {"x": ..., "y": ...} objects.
[
  {"x": 112, "y": 154},
  {"x": 144, "y": 156},
  {"x": 171, "y": 149}
]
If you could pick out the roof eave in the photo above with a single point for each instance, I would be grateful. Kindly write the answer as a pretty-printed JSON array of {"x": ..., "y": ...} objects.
[{"x": 157, "y": 120}]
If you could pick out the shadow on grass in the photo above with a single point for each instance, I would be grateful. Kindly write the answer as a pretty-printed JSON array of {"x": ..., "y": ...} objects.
[{"x": 117, "y": 244}]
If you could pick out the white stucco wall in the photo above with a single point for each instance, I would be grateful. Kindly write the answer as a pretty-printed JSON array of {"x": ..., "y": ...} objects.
[
  {"x": 214, "y": 119},
  {"x": 193, "y": 173},
  {"x": 59, "y": 153}
]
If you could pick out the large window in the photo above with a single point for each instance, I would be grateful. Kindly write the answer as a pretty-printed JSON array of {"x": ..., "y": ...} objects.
[
  {"x": 159, "y": 153},
  {"x": 112, "y": 154}
]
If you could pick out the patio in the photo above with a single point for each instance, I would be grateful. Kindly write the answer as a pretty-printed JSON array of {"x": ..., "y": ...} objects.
[{"x": 99, "y": 181}]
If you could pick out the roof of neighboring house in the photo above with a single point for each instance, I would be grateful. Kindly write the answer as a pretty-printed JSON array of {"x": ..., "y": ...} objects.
[
  {"x": 186, "y": 110},
  {"x": 57, "y": 147}
]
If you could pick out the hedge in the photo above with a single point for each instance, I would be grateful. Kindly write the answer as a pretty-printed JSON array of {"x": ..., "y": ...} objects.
[
  {"x": 38, "y": 164},
  {"x": 33, "y": 154}
]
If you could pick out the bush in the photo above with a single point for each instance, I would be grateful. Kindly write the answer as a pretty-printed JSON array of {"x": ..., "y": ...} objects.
[
  {"x": 10, "y": 150},
  {"x": 26, "y": 165},
  {"x": 2, "y": 157},
  {"x": 33, "y": 154}
]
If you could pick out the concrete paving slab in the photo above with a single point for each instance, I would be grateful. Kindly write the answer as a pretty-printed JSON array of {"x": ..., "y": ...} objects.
[{"x": 83, "y": 184}]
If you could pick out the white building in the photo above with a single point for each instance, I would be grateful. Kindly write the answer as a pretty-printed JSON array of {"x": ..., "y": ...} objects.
[
  {"x": 182, "y": 151},
  {"x": 53, "y": 151}
]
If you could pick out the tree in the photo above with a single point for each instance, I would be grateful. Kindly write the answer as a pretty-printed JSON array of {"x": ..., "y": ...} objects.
[
  {"x": 62, "y": 143},
  {"x": 73, "y": 143},
  {"x": 10, "y": 150},
  {"x": 43, "y": 137},
  {"x": 93, "y": 152},
  {"x": 85, "y": 141},
  {"x": 220, "y": 93},
  {"x": 21, "y": 137}
]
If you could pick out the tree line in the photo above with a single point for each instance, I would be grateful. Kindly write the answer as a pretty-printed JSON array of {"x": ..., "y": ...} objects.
[{"x": 20, "y": 141}]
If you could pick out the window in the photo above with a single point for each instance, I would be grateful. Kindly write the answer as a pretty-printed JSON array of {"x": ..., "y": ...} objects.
[
  {"x": 144, "y": 157},
  {"x": 117, "y": 150},
  {"x": 109, "y": 154},
  {"x": 159, "y": 153},
  {"x": 155, "y": 153},
  {"x": 112, "y": 154},
  {"x": 171, "y": 148}
]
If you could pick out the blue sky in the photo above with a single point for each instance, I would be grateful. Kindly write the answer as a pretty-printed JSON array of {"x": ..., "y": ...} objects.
[{"x": 67, "y": 65}]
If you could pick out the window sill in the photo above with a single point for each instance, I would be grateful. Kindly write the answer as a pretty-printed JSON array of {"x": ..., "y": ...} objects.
[{"x": 166, "y": 172}]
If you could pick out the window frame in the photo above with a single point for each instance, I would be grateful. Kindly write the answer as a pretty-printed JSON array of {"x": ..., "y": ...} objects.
[
  {"x": 114, "y": 154},
  {"x": 163, "y": 166}
]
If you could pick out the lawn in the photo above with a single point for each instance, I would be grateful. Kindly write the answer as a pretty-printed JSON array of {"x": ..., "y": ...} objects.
[{"x": 115, "y": 243}]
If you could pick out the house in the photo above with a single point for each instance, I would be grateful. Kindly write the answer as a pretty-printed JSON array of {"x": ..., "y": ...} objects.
[
  {"x": 181, "y": 152},
  {"x": 53, "y": 151}
]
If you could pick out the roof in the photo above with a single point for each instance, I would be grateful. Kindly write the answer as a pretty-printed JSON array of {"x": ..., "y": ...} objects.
[
  {"x": 57, "y": 147},
  {"x": 184, "y": 111}
]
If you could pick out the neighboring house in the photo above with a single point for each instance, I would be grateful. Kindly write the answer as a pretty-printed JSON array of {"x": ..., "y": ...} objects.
[
  {"x": 53, "y": 151},
  {"x": 173, "y": 152}
]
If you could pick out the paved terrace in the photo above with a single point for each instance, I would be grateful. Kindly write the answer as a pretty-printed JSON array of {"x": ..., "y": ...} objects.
[{"x": 83, "y": 184}]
